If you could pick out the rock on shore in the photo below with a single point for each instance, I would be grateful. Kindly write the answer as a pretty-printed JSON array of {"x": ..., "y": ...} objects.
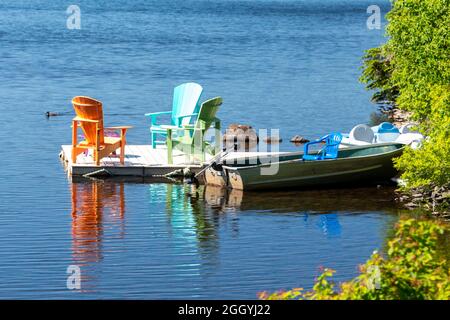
[
  {"x": 435, "y": 200},
  {"x": 399, "y": 117}
]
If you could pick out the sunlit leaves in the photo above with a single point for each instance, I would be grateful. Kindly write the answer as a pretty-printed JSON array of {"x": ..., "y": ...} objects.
[
  {"x": 412, "y": 72},
  {"x": 412, "y": 269}
]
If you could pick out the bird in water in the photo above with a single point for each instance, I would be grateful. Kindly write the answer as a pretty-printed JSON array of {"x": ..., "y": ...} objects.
[{"x": 49, "y": 114}]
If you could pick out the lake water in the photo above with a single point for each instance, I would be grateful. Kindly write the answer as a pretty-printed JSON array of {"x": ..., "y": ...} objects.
[{"x": 290, "y": 65}]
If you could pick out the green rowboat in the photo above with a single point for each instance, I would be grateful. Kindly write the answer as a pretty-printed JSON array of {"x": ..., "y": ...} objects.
[{"x": 359, "y": 165}]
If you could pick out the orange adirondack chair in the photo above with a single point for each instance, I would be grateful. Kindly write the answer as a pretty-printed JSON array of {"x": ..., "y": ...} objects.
[{"x": 90, "y": 118}]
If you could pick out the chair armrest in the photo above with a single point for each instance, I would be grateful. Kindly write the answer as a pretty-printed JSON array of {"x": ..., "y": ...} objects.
[
  {"x": 119, "y": 127},
  {"x": 170, "y": 128},
  {"x": 164, "y": 126},
  {"x": 157, "y": 113},
  {"x": 154, "y": 115},
  {"x": 192, "y": 126},
  {"x": 185, "y": 116},
  {"x": 306, "y": 146},
  {"x": 123, "y": 130}
]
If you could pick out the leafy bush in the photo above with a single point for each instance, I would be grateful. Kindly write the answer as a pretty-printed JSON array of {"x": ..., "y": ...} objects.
[
  {"x": 412, "y": 72},
  {"x": 430, "y": 165},
  {"x": 413, "y": 269},
  {"x": 377, "y": 73}
]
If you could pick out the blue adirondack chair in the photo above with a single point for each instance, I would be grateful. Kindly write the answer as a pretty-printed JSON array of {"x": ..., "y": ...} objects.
[
  {"x": 329, "y": 151},
  {"x": 185, "y": 106}
]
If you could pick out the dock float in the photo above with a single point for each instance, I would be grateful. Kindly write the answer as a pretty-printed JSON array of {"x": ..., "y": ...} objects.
[{"x": 141, "y": 161}]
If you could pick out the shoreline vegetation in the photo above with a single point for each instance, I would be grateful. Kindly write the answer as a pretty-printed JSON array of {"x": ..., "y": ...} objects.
[
  {"x": 410, "y": 75},
  {"x": 413, "y": 268}
]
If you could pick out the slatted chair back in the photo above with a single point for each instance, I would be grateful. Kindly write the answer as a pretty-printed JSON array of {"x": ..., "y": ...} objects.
[
  {"x": 206, "y": 116},
  {"x": 186, "y": 98},
  {"x": 89, "y": 109}
]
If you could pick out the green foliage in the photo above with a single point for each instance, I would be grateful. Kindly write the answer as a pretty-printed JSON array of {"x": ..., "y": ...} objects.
[
  {"x": 377, "y": 75},
  {"x": 420, "y": 47},
  {"x": 413, "y": 269},
  {"x": 412, "y": 72},
  {"x": 429, "y": 165}
]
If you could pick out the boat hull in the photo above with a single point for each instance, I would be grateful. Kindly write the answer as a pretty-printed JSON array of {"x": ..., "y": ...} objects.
[{"x": 364, "y": 166}]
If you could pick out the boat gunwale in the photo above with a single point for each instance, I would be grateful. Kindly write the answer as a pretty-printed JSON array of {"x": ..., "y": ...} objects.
[{"x": 325, "y": 160}]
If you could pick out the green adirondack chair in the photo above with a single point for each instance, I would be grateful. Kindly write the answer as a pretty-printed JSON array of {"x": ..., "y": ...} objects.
[{"x": 190, "y": 139}]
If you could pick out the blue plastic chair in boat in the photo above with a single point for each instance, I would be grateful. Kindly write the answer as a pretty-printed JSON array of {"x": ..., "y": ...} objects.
[
  {"x": 185, "y": 106},
  {"x": 329, "y": 151}
]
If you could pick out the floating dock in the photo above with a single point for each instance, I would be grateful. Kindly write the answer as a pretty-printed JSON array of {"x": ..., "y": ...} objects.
[{"x": 143, "y": 161}]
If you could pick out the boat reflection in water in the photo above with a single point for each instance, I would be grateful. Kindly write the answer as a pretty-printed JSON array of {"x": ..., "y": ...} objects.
[
  {"x": 321, "y": 201},
  {"x": 95, "y": 204},
  {"x": 326, "y": 205}
]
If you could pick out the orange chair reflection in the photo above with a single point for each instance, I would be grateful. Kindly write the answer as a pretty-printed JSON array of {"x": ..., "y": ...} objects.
[{"x": 91, "y": 203}]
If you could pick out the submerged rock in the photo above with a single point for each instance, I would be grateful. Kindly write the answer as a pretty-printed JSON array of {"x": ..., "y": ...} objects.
[
  {"x": 299, "y": 139},
  {"x": 240, "y": 133},
  {"x": 273, "y": 140}
]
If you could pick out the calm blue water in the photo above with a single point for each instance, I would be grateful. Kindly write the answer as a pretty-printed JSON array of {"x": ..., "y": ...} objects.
[{"x": 291, "y": 65}]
